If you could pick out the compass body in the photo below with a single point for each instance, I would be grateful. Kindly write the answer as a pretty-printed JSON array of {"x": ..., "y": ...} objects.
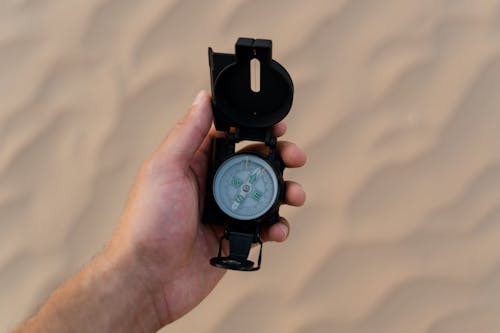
[{"x": 245, "y": 189}]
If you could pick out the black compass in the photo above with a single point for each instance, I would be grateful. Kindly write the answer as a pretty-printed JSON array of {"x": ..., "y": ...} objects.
[{"x": 250, "y": 93}]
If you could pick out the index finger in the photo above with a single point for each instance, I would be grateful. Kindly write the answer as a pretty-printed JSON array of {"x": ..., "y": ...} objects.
[
  {"x": 290, "y": 153},
  {"x": 279, "y": 129}
]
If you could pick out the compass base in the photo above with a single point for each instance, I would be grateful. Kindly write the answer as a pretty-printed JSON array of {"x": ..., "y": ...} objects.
[{"x": 234, "y": 264}]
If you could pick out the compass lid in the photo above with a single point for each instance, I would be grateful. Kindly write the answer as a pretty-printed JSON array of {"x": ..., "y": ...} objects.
[{"x": 235, "y": 102}]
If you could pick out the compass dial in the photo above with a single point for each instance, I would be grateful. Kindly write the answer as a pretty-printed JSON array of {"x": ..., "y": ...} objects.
[{"x": 245, "y": 187}]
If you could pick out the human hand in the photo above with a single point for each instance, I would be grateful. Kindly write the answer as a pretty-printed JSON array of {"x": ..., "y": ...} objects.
[{"x": 160, "y": 237}]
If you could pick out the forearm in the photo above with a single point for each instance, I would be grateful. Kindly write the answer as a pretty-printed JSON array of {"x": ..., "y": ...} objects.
[{"x": 105, "y": 296}]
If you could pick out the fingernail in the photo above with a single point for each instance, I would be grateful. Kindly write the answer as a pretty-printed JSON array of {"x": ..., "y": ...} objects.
[
  {"x": 199, "y": 98},
  {"x": 284, "y": 231}
]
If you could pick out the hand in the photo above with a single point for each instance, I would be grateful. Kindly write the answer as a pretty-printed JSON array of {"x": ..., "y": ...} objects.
[
  {"x": 156, "y": 266},
  {"x": 160, "y": 234}
]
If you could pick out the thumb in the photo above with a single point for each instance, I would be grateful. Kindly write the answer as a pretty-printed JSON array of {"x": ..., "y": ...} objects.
[{"x": 188, "y": 134}]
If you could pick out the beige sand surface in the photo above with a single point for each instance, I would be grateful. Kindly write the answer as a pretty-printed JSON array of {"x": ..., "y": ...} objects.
[{"x": 397, "y": 103}]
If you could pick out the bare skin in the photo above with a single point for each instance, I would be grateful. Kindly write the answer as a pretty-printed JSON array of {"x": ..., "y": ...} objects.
[{"x": 155, "y": 268}]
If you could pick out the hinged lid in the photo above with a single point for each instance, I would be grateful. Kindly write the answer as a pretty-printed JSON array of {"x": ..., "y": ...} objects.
[{"x": 234, "y": 102}]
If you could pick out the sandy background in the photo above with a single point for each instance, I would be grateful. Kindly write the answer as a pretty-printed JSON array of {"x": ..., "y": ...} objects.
[{"x": 397, "y": 103}]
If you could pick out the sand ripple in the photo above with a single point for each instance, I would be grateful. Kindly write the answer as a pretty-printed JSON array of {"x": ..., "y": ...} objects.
[{"x": 396, "y": 103}]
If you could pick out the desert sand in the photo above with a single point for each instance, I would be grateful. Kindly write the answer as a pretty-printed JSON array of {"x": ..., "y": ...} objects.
[{"x": 396, "y": 102}]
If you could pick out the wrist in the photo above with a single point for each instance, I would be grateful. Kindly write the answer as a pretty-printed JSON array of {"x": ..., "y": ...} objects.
[
  {"x": 126, "y": 281},
  {"x": 107, "y": 295}
]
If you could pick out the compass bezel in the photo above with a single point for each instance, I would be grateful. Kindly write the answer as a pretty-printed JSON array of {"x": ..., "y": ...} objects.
[{"x": 228, "y": 163}]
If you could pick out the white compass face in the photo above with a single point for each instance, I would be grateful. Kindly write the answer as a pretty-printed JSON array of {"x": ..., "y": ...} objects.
[{"x": 245, "y": 187}]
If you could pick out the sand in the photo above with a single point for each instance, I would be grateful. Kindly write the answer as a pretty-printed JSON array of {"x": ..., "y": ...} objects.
[{"x": 396, "y": 103}]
